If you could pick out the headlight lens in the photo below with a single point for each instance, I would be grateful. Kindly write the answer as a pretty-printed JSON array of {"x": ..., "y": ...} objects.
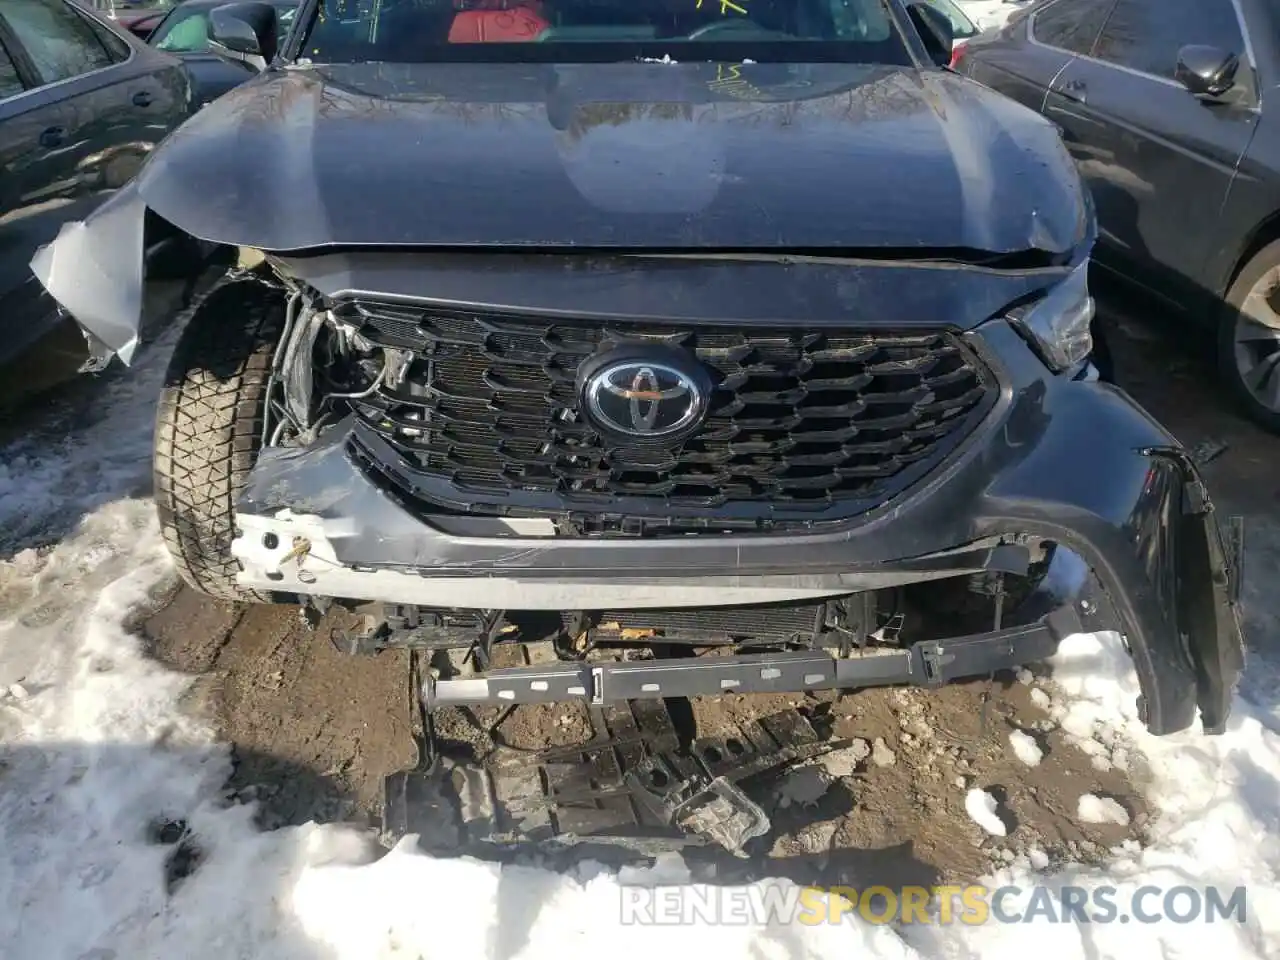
[{"x": 1058, "y": 324}]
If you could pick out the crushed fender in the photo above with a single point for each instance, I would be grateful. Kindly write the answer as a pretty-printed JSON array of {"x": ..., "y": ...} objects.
[{"x": 94, "y": 269}]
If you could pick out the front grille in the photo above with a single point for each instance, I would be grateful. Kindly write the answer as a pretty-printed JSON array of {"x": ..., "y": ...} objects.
[{"x": 800, "y": 420}]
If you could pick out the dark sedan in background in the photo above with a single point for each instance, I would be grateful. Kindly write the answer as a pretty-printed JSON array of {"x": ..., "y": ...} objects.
[
  {"x": 1172, "y": 111},
  {"x": 82, "y": 104},
  {"x": 139, "y": 17},
  {"x": 185, "y": 32}
]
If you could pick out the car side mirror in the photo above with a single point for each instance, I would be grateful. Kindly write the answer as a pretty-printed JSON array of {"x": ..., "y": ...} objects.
[
  {"x": 1206, "y": 71},
  {"x": 245, "y": 30},
  {"x": 935, "y": 30}
]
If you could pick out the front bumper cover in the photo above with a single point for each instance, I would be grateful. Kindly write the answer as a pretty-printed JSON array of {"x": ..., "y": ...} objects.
[{"x": 1074, "y": 462}]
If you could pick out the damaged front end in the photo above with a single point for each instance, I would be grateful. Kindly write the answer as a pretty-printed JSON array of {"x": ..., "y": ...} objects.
[
  {"x": 902, "y": 471},
  {"x": 422, "y": 462},
  {"x": 423, "y": 475},
  {"x": 1002, "y": 548}
]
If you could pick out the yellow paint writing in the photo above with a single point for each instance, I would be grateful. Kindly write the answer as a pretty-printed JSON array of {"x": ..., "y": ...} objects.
[
  {"x": 729, "y": 81},
  {"x": 726, "y": 6}
]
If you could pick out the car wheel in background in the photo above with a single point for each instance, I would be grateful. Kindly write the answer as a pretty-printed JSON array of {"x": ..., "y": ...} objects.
[{"x": 1249, "y": 338}]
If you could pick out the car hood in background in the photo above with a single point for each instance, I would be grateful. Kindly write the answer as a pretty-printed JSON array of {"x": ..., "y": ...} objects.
[{"x": 635, "y": 155}]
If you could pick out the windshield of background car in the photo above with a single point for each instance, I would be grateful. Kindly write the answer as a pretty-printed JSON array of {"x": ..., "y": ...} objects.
[
  {"x": 186, "y": 30},
  {"x": 420, "y": 31},
  {"x": 962, "y": 28}
]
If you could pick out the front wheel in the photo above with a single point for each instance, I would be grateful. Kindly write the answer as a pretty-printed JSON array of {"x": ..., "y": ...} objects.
[
  {"x": 1249, "y": 338},
  {"x": 209, "y": 430}
]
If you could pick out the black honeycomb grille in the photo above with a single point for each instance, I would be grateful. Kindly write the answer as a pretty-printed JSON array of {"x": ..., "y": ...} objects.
[{"x": 798, "y": 419}]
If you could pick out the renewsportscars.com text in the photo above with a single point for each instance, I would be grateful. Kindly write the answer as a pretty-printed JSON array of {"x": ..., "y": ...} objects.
[{"x": 972, "y": 905}]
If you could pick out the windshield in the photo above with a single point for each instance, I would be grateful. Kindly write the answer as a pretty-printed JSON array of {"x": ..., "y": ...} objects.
[
  {"x": 417, "y": 31},
  {"x": 186, "y": 30},
  {"x": 962, "y": 28}
]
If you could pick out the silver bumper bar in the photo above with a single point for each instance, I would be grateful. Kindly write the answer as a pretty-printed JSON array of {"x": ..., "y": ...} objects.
[{"x": 924, "y": 664}]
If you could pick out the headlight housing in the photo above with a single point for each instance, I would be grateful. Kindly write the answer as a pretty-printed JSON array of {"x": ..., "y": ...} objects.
[{"x": 1058, "y": 324}]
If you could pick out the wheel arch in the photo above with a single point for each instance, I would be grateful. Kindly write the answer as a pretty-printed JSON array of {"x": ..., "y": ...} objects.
[{"x": 1266, "y": 231}]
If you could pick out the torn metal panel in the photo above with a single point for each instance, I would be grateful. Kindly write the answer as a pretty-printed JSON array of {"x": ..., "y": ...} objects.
[
  {"x": 632, "y": 785},
  {"x": 94, "y": 269}
]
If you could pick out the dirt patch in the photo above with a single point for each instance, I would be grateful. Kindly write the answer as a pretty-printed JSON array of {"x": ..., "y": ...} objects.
[{"x": 314, "y": 731}]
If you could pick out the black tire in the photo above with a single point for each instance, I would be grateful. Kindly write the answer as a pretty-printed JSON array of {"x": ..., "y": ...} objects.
[
  {"x": 1259, "y": 265},
  {"x": 209, "y": 430},
  {"x": 181, "y": 258}
]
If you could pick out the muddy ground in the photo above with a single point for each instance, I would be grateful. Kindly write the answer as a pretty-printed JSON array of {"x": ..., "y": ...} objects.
[
  {"x": 290, "y": 702},
  {"x": 315, "y": 730}
]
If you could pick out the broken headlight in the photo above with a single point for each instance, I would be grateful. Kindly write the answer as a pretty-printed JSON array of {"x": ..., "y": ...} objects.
[{"x": 1058, "y": 324}]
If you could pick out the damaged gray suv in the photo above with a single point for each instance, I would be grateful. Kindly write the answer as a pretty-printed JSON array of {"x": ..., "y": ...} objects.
[{"x": 611, "y": 351}]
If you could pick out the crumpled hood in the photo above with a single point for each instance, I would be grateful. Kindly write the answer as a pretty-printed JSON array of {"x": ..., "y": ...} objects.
[{"x": 634, "y": 155}]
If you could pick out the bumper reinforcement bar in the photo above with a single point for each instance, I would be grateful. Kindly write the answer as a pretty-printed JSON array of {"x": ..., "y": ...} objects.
[{"x": 931, "y": 663}]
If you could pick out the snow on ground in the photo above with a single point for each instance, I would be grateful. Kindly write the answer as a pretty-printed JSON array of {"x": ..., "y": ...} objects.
[
  {"x": 1091, "y": 809},
  {"x": 95, "y": 748},
  {"x": 1219, "y": 819},
  {"x": 1025, "y": 748},
  {"x": 982, "y": 810}
]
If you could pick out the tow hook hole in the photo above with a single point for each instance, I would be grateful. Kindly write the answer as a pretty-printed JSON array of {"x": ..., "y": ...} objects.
[
  {"x": 275, "y": 575},
  {"x": 734, "y": 747},
  {"x": 712, "y": 755},
  {"x": 270, "y": 541},
  {"x": 658, "y": 778}
]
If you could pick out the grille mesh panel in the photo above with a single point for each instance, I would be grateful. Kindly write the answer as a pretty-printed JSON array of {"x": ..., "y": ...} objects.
[{"x": 797, "y": 418}]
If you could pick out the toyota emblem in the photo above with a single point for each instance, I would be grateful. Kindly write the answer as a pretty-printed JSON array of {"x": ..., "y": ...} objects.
[{"x": 650, "y": 395}]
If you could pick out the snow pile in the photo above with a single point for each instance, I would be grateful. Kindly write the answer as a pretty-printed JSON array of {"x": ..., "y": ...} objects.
[
  {"x": 1091, "y": 809},
  {"x": 981, "y": 808},
  {"x": 1218, "y": 801},
  {"x": 95, "y": 751},
  {"x": 1025, "y": 748}
]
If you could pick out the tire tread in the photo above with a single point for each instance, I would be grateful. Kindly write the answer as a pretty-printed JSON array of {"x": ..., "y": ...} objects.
[{"x": 209, "y": 428}]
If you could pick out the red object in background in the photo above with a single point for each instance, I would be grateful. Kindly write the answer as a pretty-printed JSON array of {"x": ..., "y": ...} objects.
[
  {"x": 143, "y": 26},
  {"x": 957, "y": 54},
  {"x": 496, "y": 26}
]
